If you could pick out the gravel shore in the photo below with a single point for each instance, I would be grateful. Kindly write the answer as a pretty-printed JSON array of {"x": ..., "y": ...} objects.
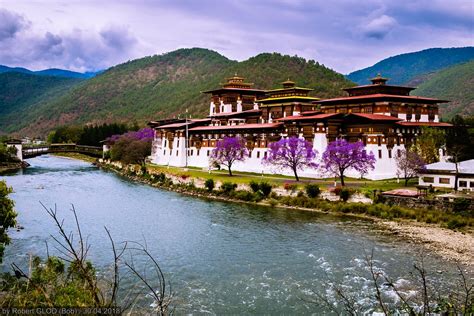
[{"x": 451, "y": 245}]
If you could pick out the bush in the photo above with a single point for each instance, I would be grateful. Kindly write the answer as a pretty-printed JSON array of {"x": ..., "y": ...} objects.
[
  {"x": 290, "y": 187},
  {"x": 272, "y": 202},
  {"x": 244, "y": 195},
  {"x": 345, "y": 194},
  {"x": 456, "y": 223},
  {"x": 312, "y": 190},
  {"x": 209, "y": 184},
  {"x": 461, "y": 205},
  {"x": 228, "y": 187},
  {"x": 161, "y": 177},
  {"x": 265, "y": 188},
  {"x": 254, "y": 186}
]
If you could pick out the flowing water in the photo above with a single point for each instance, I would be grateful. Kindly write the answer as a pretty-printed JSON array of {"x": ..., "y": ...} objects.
[{"x": 219, "y": 257}]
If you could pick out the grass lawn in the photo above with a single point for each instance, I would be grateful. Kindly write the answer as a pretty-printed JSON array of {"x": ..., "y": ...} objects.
[{"x": 278, "y": 180}]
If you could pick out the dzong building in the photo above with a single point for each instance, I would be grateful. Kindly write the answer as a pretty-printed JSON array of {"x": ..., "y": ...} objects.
[{"x": 386, "y": 118}]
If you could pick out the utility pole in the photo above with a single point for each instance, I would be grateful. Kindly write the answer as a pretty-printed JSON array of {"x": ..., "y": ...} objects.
[{"x": 186, "y": 140}]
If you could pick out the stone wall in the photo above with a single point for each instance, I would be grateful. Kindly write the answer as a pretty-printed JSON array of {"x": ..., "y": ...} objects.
[{"x": 442, "y": 205}]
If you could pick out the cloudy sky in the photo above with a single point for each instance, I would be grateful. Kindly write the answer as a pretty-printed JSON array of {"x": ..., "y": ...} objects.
[{"x": 345, "y": 35}]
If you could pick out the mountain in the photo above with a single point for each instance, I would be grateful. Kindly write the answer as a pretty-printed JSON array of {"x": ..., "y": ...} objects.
[
  {"x": 50, "y": 72},
  {"x": 456, "y": 84},
  {"x": 65, "y": 73},
  {"x": 165, "y": 85},
  {"x": 405, "y": 67},
  {"x": 14, "y": 69},
  {"x": 21, "y": 93}
]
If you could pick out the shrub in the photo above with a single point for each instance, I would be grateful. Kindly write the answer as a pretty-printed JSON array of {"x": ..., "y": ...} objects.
[
  {"x": 300, "y": 194},
  {"x": 160, "y": 177},
  {"x": 257, "y": 197},
  {"x": 337, "y": 190},
  {"x": 290, "y": 187},
  {"x": 312, "y": 190},
  {"x": 456, "y": 223},
  {"x": 345, "y": 194},
  {"x": 228, "y": 187},
  {"x": 272, "y": 202},
  {"x": 254, "y": 186},
  {"x": 265, "y": 188},
  {"x": 460, "y": 205},
  {"x": 209, "y": 184},
  {"x": 244, "y": 195}
]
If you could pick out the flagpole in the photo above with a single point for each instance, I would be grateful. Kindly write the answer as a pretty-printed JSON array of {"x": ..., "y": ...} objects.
[{"x": 186, "y": 140}]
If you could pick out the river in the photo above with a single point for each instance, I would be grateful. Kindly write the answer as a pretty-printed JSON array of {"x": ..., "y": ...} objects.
[{"x": 219, "y": 257}]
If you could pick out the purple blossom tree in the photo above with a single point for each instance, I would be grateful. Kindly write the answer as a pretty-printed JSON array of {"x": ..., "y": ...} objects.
[
  {"x": 409, "y": 164},
  {"x": 228, "y": 151},
  {"x": 291, "y": 153},
  {"x": 142, "y": 134},
  {"x": 340, "y": 155}
]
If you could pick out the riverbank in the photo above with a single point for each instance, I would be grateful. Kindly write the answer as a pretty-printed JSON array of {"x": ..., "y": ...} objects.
[
  {"x": 452, "y": 245},
  {"x": 13, "y": 166},
  {"x": 77, "y": 156}
]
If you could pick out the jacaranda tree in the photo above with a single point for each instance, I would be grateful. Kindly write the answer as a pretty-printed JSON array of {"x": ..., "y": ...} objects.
[
  {"x": 132, "y": 147},
  {"x": 228, "y": 151},
  {"x": 409, "y": 164},
  {"x": 340, "y": 155},
  {"x": 291, "y": 153}
]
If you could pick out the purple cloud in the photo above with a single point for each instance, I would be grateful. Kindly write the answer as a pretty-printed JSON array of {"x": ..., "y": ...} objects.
[
  {"x": 342, "y": 34},
  {"x": 10, "y": 24}
]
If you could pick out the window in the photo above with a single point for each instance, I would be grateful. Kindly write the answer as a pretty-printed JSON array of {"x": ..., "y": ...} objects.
[
  {"x": 176, "y": 153},
  {"x": 389, "y": 153},
  {"x": 250, "y": 154},
  {"x": 399, "y": 153},
  {"x": 192, "y": 152},
  {"x": 265, "y": 155},
  {"x": 197, "y": 152},
  {"x": 428, "y": 179},
  {"x": 208, "y": 152},
  {"x": 463, "y": 184},
  {"x": 164, "y": 152},
  {"x": 258, "y": 154},
  {"x": 380, "y": 154},
  {"x": 177, "y": 144},
  {"x": 444, "y": 180},
  {"x": 471, "y": 184}
]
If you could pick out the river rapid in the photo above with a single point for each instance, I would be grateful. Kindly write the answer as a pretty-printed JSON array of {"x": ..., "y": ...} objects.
[{"x": 220, "y": 258}]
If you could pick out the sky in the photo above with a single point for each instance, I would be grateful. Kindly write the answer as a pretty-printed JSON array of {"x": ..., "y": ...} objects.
[{"x": 344, "y": 35}]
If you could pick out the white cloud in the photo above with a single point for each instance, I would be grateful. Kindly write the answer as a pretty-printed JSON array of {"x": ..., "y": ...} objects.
[{"x": 379, "y": 27}]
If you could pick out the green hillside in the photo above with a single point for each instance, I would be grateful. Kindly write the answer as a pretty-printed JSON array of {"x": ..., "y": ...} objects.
[
  {"x": 165, "y": 85},
  {"x": 401, "y": 69},
  {"x": 21, "y": 93},
  {"x": 455, "y": 84}
]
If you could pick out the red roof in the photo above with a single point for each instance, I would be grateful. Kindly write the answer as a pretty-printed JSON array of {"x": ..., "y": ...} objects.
[
  {"x": 433, "y": 124},
  {"x": 308, "y": 117},
  {"x": 235, "y": 113},
  {"x": 376, "y": 117},
  {"x": 234, "y": 89},
  {"x": 402, "y": 192},
  {"x": 380, "y": 96},
  {"x": 183, "y": 124},
  {"x": 240, "y": 126}
]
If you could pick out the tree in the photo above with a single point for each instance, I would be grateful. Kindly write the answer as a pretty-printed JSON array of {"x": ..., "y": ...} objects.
[
  {"x": 228, "y": 151},
  {"x": 409, "y": 164},
  {"x": 131, "y": 147},
  {"x": 428, "y": 144},
  {"x": 459, "y": 144},
  {"x": 7, "y": 216},
  {"x": 291, "y": 153},
  {"x": 340, "y": 155}
]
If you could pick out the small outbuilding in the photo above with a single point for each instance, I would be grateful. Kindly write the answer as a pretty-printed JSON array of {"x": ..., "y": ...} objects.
[{"x": 443, "y": 175}]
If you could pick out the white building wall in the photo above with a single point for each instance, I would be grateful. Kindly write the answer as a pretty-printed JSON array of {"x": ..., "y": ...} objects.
[{"x": 385, "y": 167}]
